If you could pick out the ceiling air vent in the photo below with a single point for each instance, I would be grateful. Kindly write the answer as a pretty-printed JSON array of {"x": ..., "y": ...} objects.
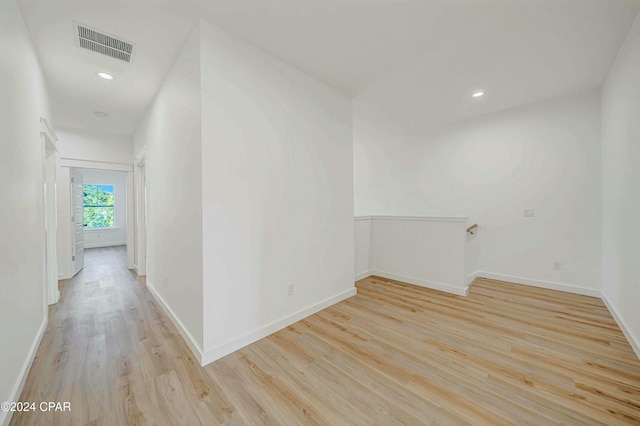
[{"x": 99, "y": 42}]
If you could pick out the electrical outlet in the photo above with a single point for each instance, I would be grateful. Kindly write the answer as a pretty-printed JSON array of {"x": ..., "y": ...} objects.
[
  {"x": 557, "y": 265},
  {"x": 529, "y": 212},
  {"x": 290, "y": 289}
]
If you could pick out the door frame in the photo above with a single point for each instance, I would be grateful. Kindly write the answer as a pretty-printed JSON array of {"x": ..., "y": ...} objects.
[
  {"x": 50, "y": 211},
  {"x": 140, "y": 180}
]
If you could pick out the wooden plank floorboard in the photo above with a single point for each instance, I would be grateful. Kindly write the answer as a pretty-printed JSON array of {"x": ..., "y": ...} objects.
[{"x": 393, "y": 354}]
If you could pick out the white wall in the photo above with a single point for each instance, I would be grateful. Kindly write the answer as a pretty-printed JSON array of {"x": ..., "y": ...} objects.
[
  {"x": 117, "y": 235},
  {"x": 544, "y": 156},
  {"x": 170, "y": 133},
  {"x": 277, "y": 194},
  {"x": 22, "y": 286},
  {"x": 620, "y": 188},
  {"x": 425, "y": 251},
  {"x": 362, "y": 237},
  {"x": 90, "y": 147}
]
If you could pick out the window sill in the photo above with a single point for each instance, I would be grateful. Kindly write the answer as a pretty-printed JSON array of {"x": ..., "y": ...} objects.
[{"x": 109, "y": 229}]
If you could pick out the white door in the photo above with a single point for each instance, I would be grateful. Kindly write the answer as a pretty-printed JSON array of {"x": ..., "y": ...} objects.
[{"x": 77, "y": 220}]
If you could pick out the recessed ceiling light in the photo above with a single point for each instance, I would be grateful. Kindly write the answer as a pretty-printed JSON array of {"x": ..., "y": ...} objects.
[
  {"x": 477, "y": 94},
  {"x": 105, "y": 76},
  {"x": 101, "y": 114}
]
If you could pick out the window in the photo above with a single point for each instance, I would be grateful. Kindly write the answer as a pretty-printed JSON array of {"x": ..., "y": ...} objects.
[{"x": 98, "y": 206}]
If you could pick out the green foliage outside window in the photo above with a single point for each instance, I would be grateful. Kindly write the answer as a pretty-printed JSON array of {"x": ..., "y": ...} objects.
[{"x": 98, "y": 206}]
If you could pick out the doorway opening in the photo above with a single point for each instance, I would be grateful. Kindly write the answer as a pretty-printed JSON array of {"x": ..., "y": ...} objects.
[
  {"x": 99, "y": 211},
  {"x": 96, "y": 210}
]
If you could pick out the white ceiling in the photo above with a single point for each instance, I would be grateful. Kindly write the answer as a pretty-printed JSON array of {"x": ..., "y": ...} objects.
[
  {"x": 454, "y": 45},
  {"x": 71, "y": 72}
]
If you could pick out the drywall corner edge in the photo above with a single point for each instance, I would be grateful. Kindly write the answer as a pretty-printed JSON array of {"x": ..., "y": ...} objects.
[
  {"x": 186, "y": 335},
  {"x": 633, "y": 341},
  {"x": 5, "y": 416},
  {"x": 233, "y": 345}
]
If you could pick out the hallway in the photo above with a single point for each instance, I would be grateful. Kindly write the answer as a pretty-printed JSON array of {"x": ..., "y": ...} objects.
[
  {"x": 107, "y": 347},
  {"x": 393, "y": 353}
]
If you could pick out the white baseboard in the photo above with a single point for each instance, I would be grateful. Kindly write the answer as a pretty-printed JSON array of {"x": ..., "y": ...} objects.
[
  {"x": 471, "y": 278},
  {"x": 233, "y": 345},
  {"x": 634, "y": 341},
  {"x": 362, "y": 275},
  {"x": 460, "y": 291},
  {"x": 568, "y": 288},
  {"x": 64, "y": 276},
  {"x": 186, "y": 335},
  {"x": 5, "y": 416}
]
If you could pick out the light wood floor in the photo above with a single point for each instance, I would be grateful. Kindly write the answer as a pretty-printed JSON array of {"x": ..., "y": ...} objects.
[{"x": 393, "y": 354}]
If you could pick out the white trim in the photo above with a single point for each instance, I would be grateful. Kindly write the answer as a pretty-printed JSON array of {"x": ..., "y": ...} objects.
[
  {"x": 416, "y": 218},
  {"x": 107, "y": 244},
  {"x": 138, "y": 195},
  {"x": 422, "y": 283},
  {"x": 106, "y": 228},
  {"x": 50, "y": 212},
  {"x": 96, "y": 165},
  {"x": 568, "y": 288},
  {"x": 47, "y": 129},
  {"x": 129, "y": 219},
  {"x": 140, "y": 157},
  {"x": 184, "y": 332},
  {"x": 363, "y": 275},
  {"x": 239, "y": 342},
  {"x": 14, "y": 396},
  {"x": 471, "y": 278},
  {"x": 633, "y": 340}
]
